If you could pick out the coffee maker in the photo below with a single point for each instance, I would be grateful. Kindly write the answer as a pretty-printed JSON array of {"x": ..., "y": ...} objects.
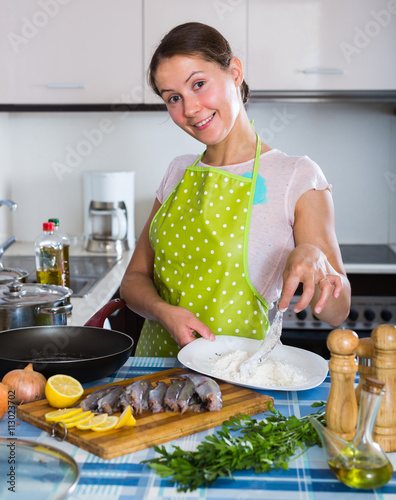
[{"x": 109, "y": 218}]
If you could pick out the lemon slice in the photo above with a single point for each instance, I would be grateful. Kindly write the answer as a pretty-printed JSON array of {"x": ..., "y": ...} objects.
[
  {"x": 83, "y": 417},
  {"x": 55, "y": 416},
  {"x": 110, "y": 423},
  {"x": 126, "y": 419},
  {"x": 93, "y": 421},
  {"x": 62, "y": 391},
  {"x": 77, "y": 417}
]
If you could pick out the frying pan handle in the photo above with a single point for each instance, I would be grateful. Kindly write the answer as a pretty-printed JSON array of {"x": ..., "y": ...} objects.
[{"x": 99, "y": 317}]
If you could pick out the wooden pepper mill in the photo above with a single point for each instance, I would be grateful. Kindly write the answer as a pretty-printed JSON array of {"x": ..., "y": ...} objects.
[
  {"x": 384, "y": 362},
  {"x": 365, "y": 354},
  {"x": 342, "y": 408}
]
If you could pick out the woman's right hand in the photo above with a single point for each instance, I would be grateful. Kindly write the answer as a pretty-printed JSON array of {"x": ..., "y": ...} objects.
[{"x": 184, "y": 326}]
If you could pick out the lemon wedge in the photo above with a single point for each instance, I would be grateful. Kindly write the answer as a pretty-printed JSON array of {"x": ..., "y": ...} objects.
[
  {"x": 61, "y": 414},
  {"x": 62, "y": 391},
  {"x": 110, "y": 423},
  {"x": 83, "y": 417},
  {"x": 93, "y": 421},
  {"x": 126, "y": 419}
]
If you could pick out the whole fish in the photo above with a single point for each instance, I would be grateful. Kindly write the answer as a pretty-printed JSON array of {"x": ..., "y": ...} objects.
[
  {"x": 91, "y": 401},
  {"x": 185, "y": 395},
  {"x": 208, "y": 390},
  {"x": 172, "y": 394},
  {"x": 110, "y": 403},
  {"x": 137, "y": 395},
  {"x": 156, "y": 398}
]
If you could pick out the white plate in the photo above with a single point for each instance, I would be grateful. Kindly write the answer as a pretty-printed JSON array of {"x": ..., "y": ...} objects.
[{"x": 200, "y": 354}]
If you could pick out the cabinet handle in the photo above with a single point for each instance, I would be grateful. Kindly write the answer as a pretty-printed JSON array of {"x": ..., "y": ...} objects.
[
  {"x": 323, "y": 71},
  {"x": 65, "y": 85}
]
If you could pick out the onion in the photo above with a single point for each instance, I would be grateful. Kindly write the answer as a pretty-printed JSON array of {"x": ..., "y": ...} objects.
[
  {"x": 3, "y": 400},
  {"x": 27, "y": 385}
]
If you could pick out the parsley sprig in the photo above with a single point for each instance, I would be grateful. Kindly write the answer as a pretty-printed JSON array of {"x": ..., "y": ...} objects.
[{"x": 242, "y": 443}]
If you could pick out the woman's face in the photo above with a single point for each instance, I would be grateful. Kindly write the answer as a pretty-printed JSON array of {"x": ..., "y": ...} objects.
[{"x": 202, "y": 98}]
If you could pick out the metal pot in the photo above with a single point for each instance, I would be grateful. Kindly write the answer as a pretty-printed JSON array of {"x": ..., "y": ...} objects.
[{"x": 31, "y": 304}]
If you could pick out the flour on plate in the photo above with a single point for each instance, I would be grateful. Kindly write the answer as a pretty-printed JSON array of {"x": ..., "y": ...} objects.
[{"x": 269, "y": 373}]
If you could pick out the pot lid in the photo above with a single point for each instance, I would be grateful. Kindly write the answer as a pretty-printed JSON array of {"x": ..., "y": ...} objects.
[
  {"x": 42, "y": 470},
  {"x": 17, "y": 294},
  {"x": 8, "y": 274}
]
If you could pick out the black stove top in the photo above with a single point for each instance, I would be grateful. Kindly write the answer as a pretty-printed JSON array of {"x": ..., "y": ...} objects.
[{"x": 368, "y": 254}]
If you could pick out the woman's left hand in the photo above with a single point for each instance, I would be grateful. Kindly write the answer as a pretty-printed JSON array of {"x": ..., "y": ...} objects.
[{"x": 308, "y": 265}]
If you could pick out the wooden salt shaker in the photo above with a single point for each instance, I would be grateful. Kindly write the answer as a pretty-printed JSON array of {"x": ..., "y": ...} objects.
[
  {"x": 342, "y": 408},
  {"x": 384, "y": 362},
  {"x": 365, "y": 353}
]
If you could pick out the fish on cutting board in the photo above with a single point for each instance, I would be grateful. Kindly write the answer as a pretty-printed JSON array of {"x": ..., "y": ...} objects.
[
  {"x": 208, "y": 390},
  {"x": 136, "y": 395},
  {"x": 110, "y": 403},
  {"x": 156, "y": 398},
  {"x": 91, "y": 401},
  {"x": 188, "y": 393},
  {"x": 172, "y": 394},
  {"x": 152, "y": 429}
]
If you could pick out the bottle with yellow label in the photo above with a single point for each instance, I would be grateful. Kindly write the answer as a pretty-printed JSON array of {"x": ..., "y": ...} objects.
[
  {"x": 66, "y": 252},
  {"x": 49, "y": 256}
]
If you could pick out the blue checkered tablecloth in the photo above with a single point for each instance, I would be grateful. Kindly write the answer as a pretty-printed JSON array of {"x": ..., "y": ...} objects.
[{"x": 309, "y": 477}]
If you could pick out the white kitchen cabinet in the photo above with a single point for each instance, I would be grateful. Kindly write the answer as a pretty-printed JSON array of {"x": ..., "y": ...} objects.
[
  {"x": 63, "y": 52},
  {"x": 227, "y": 16},
  {"x": 321, "y": 45}
]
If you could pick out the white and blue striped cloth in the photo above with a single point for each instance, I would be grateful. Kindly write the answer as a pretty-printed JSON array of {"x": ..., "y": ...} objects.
[{"x": 122, "y": 478}]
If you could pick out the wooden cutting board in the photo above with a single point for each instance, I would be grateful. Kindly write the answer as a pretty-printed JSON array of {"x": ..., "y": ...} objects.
[{"x": 151, "y": 428}]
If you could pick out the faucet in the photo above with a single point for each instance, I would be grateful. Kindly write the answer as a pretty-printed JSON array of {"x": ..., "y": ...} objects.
[{"x": 12, "y": 206}]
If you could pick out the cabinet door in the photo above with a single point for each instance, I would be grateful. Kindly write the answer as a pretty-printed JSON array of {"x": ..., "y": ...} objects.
[
  {"x": 322, "y": 44},
  {"x": 227, "y": 16},
  {"x": 57, "y": 51}
]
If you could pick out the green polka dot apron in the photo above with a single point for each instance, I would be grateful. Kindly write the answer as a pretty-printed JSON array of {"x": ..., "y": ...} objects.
[{"x": 200, "y": 239}]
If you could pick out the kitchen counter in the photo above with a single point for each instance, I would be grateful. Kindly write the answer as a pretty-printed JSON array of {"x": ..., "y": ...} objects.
[
  {"x": 309, "y": 477},
  {"x": 103, "y": 291}
]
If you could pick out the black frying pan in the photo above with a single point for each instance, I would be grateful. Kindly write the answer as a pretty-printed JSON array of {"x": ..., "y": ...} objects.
[{"x": 86, "y": 352}]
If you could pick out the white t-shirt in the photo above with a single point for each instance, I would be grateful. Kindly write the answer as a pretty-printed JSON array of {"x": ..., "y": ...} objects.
[{"x": 282, "y": 180}]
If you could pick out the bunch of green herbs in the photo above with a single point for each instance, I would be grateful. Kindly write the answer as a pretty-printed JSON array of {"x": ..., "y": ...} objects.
[{"x": 242, "y": 443}]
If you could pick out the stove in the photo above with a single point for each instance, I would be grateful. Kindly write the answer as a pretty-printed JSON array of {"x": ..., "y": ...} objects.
[{"x": 371, "y": 270}]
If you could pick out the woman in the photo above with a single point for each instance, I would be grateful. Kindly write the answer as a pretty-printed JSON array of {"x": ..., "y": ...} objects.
[{"x": 236, "y": 229}]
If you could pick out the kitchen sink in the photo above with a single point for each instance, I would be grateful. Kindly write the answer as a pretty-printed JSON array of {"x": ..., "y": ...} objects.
[{"x": 85, "y": 270}]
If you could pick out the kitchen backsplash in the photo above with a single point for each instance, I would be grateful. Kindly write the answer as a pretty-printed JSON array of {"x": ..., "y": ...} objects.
[{"x": 43, "y": 156}]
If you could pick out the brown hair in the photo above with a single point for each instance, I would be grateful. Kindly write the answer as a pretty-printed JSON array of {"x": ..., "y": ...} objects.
[{"x": 191, "y": 39}]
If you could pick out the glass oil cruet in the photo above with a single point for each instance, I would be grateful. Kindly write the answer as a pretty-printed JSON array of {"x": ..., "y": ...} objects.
[{"x": 360, "y": 463}]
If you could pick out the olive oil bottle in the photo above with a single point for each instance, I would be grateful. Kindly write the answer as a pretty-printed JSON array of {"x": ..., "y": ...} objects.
[
  {"x": 49, "y": 257},
  {"x": 362, "y": 463},
  {"x": 65, "y": 253},
  {"x": 362, "y": 471}
]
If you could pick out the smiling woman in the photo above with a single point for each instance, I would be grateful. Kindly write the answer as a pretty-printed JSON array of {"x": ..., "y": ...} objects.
[{"x": 235, "y": 229}]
